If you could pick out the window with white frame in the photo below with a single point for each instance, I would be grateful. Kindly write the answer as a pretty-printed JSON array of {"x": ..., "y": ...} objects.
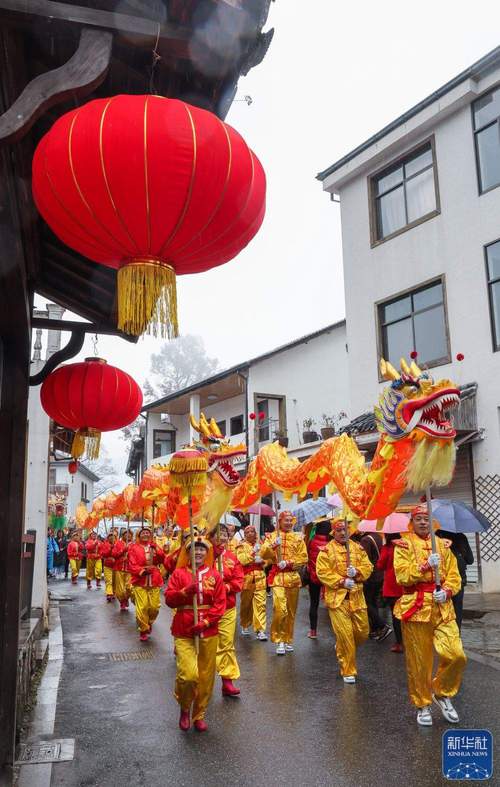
[
  {"x": 486, "y": 119},
  {"x": 404, "y": 193},
  {"x": 163, "y": 442},
  {"x": 415, "y": 320},
  {"x": 493, "y": 275}
]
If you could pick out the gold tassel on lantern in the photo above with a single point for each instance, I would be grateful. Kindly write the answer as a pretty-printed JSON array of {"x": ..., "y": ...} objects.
[
  {"x": 86, "y": 441},
  {"x": 147, "y": 298}
]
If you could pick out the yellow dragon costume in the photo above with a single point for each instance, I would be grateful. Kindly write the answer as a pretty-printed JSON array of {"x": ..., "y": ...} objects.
[{"x": 415, "y": 450}]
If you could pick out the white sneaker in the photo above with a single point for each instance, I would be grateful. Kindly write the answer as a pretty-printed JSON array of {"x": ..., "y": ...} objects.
[
  {"x": 447, "y": 709},
  {"x": 262, "y": 636},
  {"x": 424, "y": 717},
  {"x": 245, "y": 632},
  {"x": 289, "y": 648},
  {"x": 280, "y": 650},
  {"x": 349, "y": 678}
]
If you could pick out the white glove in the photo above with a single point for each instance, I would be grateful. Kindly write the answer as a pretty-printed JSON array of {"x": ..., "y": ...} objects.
[
  {"x": 282, "y": 564},
  {"x": 440, "y": 596},
  {"x": 351, "y": 572},
  {"x": 277, "y": 541},
  {"x": 434, "y": 560},
  {"x": 258, "y": 559},
  {"x": 349, "y": 584},
  {"x": 256, "y": 548}
]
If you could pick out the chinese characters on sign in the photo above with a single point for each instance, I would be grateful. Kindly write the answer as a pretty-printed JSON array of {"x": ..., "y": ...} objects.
[{"x": 467, "y": 754}]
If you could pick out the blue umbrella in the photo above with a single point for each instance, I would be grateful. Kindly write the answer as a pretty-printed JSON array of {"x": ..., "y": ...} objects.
[
  {"x": 458, "y": 517},
  {"x": 309, "y": 510}
]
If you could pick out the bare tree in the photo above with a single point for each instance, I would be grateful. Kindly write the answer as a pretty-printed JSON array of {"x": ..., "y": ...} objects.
[
  {"x": 180, "y": 363},
  {"x": 106, "y": 471}
]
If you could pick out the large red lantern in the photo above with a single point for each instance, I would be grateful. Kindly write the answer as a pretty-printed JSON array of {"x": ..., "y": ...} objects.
[
  {"x": 153, "y": 187},
  {"x": 90, "y": 397}
]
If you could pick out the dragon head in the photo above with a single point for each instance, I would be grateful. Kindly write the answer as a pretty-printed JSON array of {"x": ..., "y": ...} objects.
[
  {"x": 415, "y": 406},
  {"x": 220, "y": 453}
]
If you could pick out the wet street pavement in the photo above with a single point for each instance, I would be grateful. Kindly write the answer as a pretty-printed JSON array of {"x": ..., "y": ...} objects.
[{"x": 296, "y": 723}]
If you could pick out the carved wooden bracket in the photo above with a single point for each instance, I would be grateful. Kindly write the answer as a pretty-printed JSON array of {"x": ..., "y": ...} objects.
[
  {"x": 83, "y": 72},
  {"x": 72, "y": 348}
]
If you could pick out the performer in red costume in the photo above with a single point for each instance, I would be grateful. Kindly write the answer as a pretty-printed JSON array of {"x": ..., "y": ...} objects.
[
  {"x": 94, "y": 563},
  {"x": 75, "y": 555},
  {"x": 122, "y": 574},
  {"x": 144, "y": 558},
  {"x": 195, "y": 644},
  {"x": 105, "y": 550}
]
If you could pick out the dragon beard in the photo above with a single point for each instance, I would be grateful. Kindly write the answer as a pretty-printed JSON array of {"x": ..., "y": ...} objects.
[{"x": 431, "y": 464}]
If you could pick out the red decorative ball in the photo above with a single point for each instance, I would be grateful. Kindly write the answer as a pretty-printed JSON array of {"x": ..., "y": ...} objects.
[
  {"x": 261, "y": 416},
  {"x": 413, "y": 355},
  {"x": 73, "y": 467},
  {"x": 252, "y": 416},
  {"x": 460, "y": 356}
]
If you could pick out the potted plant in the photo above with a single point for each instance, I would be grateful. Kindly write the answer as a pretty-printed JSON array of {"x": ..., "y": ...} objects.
[
  {"x": 330, "y": 424},
  {"x": 308, "y": 434},
  {"x": 282, "y": 437}
]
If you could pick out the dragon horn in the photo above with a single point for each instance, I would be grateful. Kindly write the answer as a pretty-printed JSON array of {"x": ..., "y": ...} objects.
[
  {"x": 415, "y": 370},
  {"x": 194, "y": 423},
  {"x": 200, "y": 426},
  {"x": 404, "y": 366},
  {"x": 204, "y": 426},
  {"x": 216, "y": 432},
  {"x": 388, "y": 371}
]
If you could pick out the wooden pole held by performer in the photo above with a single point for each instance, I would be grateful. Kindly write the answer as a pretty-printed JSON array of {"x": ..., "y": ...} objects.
[
  {"x": 193, "y": 569},
  {"x": 279, "y": 551},
  {"x": 428, "y": 497}
]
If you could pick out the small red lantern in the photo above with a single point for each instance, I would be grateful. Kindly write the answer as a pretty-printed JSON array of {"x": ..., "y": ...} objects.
[
  {"x": 414, "y": 355},
  {"x": 90, "y": 397},
  {"x": 261, "y": 416},
  {"x": 252, "y": 416},
  {"x": 73, "y": 467},
  {"x": 460, "y": 356},
  {"x": 152, "y": 187}
]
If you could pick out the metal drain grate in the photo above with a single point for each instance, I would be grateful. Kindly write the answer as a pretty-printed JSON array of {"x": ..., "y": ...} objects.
[
  {"x": 132, "y": 655},
  {"x": 60, "y": 750}
]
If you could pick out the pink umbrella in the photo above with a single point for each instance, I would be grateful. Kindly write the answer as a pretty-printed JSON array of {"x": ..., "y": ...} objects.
[
  {"x": 258, "y": 508},
  {"x": 394, "y": 523},
  {"x": 335, "y": 501}
]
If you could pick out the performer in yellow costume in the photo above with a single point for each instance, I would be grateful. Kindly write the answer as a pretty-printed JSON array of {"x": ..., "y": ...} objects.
[
  {"x": 287, "y": 552},
  {"x": 231, "y": 571},
  {"x": 253, "y": 595},
  {"x": 428, "y": 618},
  {"x": 342, "y": 567}
]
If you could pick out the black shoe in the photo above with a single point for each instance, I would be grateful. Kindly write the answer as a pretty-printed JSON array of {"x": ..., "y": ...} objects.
[{"x": 383, "y": 634}]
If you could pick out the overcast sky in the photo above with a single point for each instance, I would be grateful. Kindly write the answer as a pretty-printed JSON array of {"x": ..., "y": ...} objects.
[{"x": 335, "y": 74}]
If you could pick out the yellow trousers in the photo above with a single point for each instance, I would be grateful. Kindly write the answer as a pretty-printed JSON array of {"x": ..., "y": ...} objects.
[
  {"x": 147, "y": 606},
  {"x": 94, "y": 569},
  {"x": 195, "y": 677},
  {"x": 109, "y": 580},
  {"x": 285, "y": 602},
  {"x": 227, "y": 663},
  {"x": 75, "y": 566},
  {"x": 122, "y": 585},
  {"x": 419, "y": 640},
  {"x": 351, "y": 629},
  {"x": 253, "y": 609}
]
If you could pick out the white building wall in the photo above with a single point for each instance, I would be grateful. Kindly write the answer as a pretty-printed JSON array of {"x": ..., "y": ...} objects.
[
  {"x": 450, "y": 244},
  {"x": 36, "y": 513}
]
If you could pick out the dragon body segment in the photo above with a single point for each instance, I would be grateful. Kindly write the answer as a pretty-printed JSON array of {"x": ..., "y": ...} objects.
[{"x": 415, "y": 450}]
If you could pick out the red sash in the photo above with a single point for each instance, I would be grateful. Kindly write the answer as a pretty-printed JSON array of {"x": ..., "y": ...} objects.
[{"x": 420, "y": 589}]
